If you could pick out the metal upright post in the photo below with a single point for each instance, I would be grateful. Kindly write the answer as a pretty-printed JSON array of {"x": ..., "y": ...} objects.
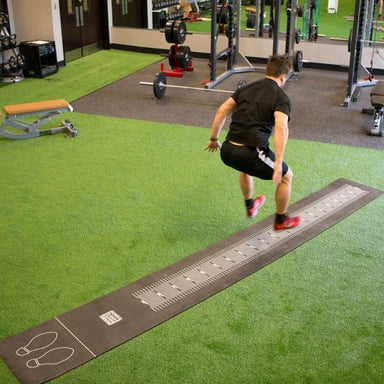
[
  {"x": 276, "y": 28},
  {"x": 353, "y": 87},
  {"x": 238, "y": 28},
  {"x": 213, "y": 40},
  {"x": 261, "y": 16},
  {"x": 257, "y": 18}
]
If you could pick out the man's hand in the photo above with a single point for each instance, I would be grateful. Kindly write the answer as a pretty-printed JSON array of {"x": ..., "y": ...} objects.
[
  {"x": 280, "y": 138},
  {"x": 224, "y": 110},
  {"x": 278, "y": 174},
  {"x": 213, "y": 146}
]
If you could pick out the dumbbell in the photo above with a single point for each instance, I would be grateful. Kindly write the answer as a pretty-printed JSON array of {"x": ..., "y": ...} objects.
[{"x": 20, "y": 61}]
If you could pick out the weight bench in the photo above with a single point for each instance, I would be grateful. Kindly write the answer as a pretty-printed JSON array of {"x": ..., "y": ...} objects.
[
  {"x": 47, "y": 110},
  {"x": 377, "y": 101}
]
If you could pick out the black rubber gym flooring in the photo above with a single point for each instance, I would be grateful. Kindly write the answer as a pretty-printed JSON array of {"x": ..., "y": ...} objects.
[
  {"x": 317, "y": 96},
  {"x": 76, "y": 337}
]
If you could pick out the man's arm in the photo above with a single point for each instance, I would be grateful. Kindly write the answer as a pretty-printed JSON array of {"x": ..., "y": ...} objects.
[
  {"x": 225, "y": 109},
  {"x": 280, "y": 139}
]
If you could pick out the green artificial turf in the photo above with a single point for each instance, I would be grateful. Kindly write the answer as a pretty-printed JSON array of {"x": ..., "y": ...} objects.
[
  {"x": 77, "y": 78},
  {"x": 85, "y": 216}
]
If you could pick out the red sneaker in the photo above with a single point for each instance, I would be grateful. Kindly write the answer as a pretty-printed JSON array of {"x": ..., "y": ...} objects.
[
  {"x": 257, "y": 203},
  {"x": 289, "y": 222}
]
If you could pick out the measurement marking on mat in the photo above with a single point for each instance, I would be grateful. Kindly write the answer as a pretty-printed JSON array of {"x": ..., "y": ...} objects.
[
  {"x": 227, "y": 260},
  {"x": 75, "y": 337}
]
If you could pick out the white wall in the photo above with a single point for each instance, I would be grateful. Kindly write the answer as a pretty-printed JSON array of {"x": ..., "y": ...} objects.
[
  {"x": 37, "y": 20},
  {"x": 33, "y": 20}
]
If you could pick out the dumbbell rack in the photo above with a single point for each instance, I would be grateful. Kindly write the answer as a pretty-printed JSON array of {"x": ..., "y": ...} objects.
[
  {"x": 11, "y": 65},
  {"x": 164, "y": 6}
]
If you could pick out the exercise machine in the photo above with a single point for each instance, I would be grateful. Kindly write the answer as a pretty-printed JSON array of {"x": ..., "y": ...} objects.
[
  {"x": 16, "y": 116},
  {"x": 311, "y": 13},
  {"x": 232, "y": 53},
  {"x": 377, "y": 101},
  {"x": 293, "y": 36},
  {"x": 355, "y": 47},
  {"x": 255, "y": 18}
]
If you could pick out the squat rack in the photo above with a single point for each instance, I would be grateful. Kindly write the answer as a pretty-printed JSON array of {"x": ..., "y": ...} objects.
[{"x": 232, "y": 52}]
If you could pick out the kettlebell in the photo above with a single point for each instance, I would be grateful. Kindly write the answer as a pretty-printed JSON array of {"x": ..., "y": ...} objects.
[
  {"x": 12, "y": 40},
  {"x": 13, "y": 63},
  {"x": 5, "y": 20},
  {"x": 20, "y": 60},
  {"x": 6, "y": 66},
  {"x": 5, "y": 42}
]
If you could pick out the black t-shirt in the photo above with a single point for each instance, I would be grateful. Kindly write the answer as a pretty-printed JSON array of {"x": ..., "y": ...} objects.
[{"x": 253, "y": 121}]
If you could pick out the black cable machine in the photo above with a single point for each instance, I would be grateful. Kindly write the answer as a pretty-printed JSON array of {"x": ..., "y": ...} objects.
[
  {"x": 355, "y": 47},
  {"x": 293, "y": 35},
  {"x": 255, "y": 18},
  {"x": 232, "y": 52}
]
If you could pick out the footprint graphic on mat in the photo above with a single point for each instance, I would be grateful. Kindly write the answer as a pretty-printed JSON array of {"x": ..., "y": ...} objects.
[
  {"x": 40, "y": 341},
  {"x": 54, "y": 356}
]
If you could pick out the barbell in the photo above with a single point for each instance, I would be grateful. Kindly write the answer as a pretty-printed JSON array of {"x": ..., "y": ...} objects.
[{"x": 160, "y": 85}]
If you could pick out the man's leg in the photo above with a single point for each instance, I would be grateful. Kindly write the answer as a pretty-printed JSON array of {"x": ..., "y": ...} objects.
[
  {"x": 252, "y": 205},
  {"x": 283, "y": 193},
  {"x": 246, "y": 185},
  {"x": 282, "y": 197}
]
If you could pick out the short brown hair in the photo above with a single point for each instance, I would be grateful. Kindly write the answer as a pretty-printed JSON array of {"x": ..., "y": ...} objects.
[{"x": 277, "y": 65}]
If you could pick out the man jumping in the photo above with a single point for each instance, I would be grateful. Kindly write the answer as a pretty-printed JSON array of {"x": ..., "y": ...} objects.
[{"x": 256, "y": 110}]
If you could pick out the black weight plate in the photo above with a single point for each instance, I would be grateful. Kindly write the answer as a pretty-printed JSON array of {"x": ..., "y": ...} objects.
[
  {"x": 159, "y": 85},
  {"x": 171, "y": 56},
  {"x": 298, "y": 61},
  {"x": 179, "y": 32},
  {"x": 230, "y": 32},
  {"x": 183, "y": 56},
  {"x": 169, "y": 31},
  {"x": 298, "y": 36}
]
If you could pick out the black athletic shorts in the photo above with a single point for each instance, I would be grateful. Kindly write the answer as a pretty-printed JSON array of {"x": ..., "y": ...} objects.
[{"x": 250, "y": 160}]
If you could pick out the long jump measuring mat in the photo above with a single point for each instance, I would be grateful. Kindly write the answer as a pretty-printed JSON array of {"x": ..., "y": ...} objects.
[{"x": 69, "y": 340}]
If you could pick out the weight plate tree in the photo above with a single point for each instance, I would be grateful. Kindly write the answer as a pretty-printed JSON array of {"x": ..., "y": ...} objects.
[{"x": 175, "y": 32}]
